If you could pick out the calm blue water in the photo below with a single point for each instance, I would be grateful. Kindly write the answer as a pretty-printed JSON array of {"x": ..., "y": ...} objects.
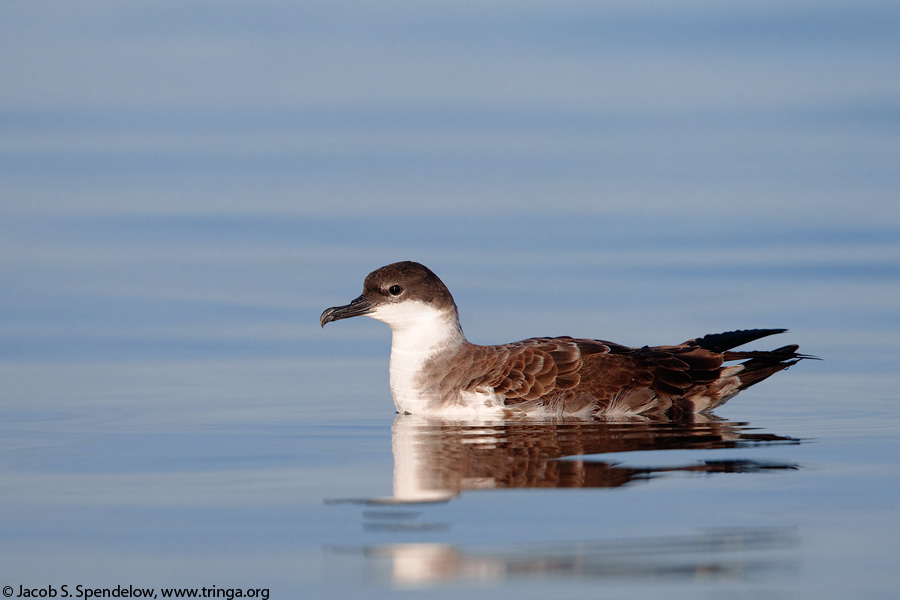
[{"x": 183, "y": 190}]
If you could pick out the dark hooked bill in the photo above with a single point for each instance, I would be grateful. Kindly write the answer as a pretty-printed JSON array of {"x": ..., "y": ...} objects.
[{"x": 359, "y": 306}]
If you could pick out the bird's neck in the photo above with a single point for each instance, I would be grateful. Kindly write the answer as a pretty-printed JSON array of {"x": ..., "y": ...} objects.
[
  {"x": 427, "y": 333},
  {"x": 416, "y": 344}
]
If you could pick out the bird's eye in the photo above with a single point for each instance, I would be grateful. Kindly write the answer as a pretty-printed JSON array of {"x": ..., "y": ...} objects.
[{"x": 395, "y": 290}]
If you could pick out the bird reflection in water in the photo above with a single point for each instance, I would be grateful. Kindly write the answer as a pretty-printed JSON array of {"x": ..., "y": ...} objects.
[
  {"x": 735, "y": 553},
  {"x": 436, "y": 460}
]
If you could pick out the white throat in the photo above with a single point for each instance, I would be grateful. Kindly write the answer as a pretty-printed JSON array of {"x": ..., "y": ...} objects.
[{"x": 419, "y": 333}]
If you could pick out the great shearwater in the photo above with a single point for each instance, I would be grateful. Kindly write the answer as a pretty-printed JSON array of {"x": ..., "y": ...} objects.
[{"x": 436, "y": 371}]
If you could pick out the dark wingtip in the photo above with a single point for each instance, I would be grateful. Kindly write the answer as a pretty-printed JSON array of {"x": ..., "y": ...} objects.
[{"x": 720, "y": 342}]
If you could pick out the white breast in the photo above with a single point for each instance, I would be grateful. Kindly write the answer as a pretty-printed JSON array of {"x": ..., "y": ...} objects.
[{"x": 419, "y": 334}]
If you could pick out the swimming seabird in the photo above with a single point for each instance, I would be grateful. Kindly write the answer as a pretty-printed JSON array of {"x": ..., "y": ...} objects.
[{"x": 435, "y": 371}]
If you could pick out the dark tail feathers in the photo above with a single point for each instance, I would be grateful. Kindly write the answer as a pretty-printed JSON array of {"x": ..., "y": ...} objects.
[{"x": 759, "y": 364}]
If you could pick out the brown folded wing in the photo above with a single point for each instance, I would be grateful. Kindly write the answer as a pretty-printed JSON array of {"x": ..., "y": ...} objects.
[{"x": 551, "y": 371}]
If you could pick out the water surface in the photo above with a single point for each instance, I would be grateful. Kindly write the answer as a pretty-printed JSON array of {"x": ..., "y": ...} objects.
[{"x": 184, "y": 189}]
